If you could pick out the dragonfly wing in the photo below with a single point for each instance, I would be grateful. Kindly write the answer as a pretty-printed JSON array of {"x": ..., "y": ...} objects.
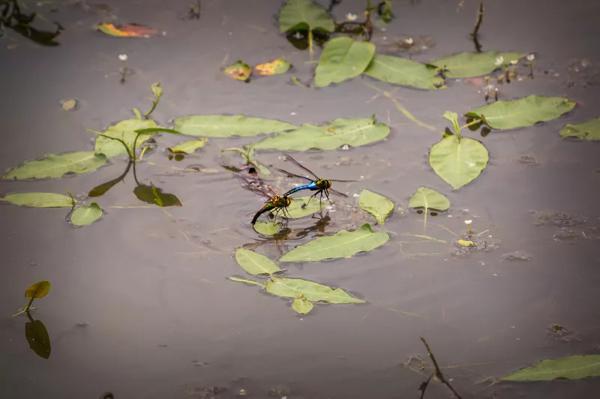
[
  {"x": 337, "y": 192},
  {"x": 290, "y": 174},
  {"x": 343, "y": 181},
  {"x": 298, "y": 164}
]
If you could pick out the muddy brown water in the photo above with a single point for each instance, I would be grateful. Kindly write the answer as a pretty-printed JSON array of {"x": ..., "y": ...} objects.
[{"x": 140, "y": 305}]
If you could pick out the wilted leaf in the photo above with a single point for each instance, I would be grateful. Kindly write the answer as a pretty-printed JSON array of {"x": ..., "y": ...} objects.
[
  {"x": 38, "y": 290},
  {"x": 255, "y": 263},
  {"x": 343, "y": 244},
  {"x": 69, "y": 105},
  {"x": 40, "y": 200},
  {"x": 311, "y": 291},
  {"x": 523, "y": 112},
  {"x": 458, "y": 160},
  {"x": 246, "y": 281},
  {"x": 304, "y": 15},
  {"x": 467, "y": 65},
  {"x": 302, "y": 305},
  {"x": 228, "y": 125},
  {"x": 124, "y": 130},
  {"x": 427, "y": 199},
  {"x": 57, "y": 165},
  {"x": 239, "y": 71},
  {"x": 127, "y": 30},
  {"x": 570, "y": 367},
  {"x": 331, "y": 136},
  {"x": 405, "y": 72},
  {"x": 589, "y": 130},
  {"x": 86, "y": 214},
  {"x": 275, "y": 67},
  {"x": 154, "y": 195},
  {"x": 188, "y": 147},
  {"x": 342, "y": 58},
  {"x": 376, "y": 204},
  {"x": 38, "y": 338}
]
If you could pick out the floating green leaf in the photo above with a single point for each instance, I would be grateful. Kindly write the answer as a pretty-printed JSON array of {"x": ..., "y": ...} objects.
[
  {"x": 467, "y": 65},
  {"x": 228, "y": 125},
  {"x": 57, "y": 165},
  {"x": 331, "y": 136},
  {"x": 458, "y": 160},
  {"x": 405, "y": 72},
  {"x": 38, "y": 290},
  {"x": 188, "y": 147},
  {"x": 302, "y": 305},
  {"x": 38, "y": 338},
  {"x": 154, "y": 195},
  {"x": 570, "y": 367},
  {"x": 255, "y": 263},
  {"x": 427, "y": 199},
  {"x": 589, "y": 130},
  {"x": 86, "y": 214},
  {"x": 304, "y": 15},
  {"x": 267, "y": 228},
  {"x": 376, "y": 204},
  {"x": 302, "y": 207},
  {"x": 309, "y": 290},
  {"x": 343, "y": 244},
  {"x": 523, "y": 112},
  {"x": 40, "y": 200},
  {"x": 124, "y": 130},
  {"x": 342, "y": 58}
]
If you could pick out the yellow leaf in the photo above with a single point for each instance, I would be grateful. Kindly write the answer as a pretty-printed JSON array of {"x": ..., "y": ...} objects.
[{"x": 38, "y": 290}]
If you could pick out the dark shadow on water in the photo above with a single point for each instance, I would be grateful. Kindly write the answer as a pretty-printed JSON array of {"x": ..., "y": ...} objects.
[{"x": 13, "y": 18}]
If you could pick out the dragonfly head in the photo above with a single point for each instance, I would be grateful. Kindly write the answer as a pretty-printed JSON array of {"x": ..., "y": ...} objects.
[{"x": 323, "y": 184}]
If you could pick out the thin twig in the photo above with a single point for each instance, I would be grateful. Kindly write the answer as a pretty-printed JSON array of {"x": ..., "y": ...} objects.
[
  {"x": 438, "y": 372},
  {"x": 475, "y": 33}
]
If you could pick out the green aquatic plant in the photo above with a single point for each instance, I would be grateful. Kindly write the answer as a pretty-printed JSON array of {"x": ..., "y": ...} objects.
[{"x": 34, "y": 291}]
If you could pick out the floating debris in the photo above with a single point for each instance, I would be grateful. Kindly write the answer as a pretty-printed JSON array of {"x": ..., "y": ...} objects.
[
  {"x": 517, "y": 256},
  {"x": 557, "y": 218},
  {"x": 69, "y": 105}
]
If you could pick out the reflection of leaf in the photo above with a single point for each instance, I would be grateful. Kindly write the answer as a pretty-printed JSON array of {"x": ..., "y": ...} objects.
[
  {"x": 188, "y": 147},
  {"x": 86, "y": 214},
  {"x": 521, "y": 112},
  {"x": 376, "y": 204},
  {"x": 39, "y": 200},
  {"x": 57, "y": 165},
  {"x": 343, "y": 244},
  {"x": 405, "y": 72},
  {"x": 314, "y": 292},
  {"x": 228, "y": 125},
  {"x": 342, "y": 58},
  {"x": 302, "y": 305},
  {"x": 589, "y": 130},
  {"x": 570, "y": 367},
  {"x": 238, "y": 71},
  {"x": 466, "y": 65},
  {"x": 154, "y": 195},
  {"x": 127, "y": 30},
  {"x": 427, "y": 199},
  {"x": 458, "y": 160},
  {"x": 276, "y": 67},
  {"x": 255, "y": 263},
  {"x": 124, "y": 130},
  {"x": 38, "y": 339},
  {"x": 304, "y": 15},
  {"x": 331, "y": 136},
  {"x": 38, "y": 290}
]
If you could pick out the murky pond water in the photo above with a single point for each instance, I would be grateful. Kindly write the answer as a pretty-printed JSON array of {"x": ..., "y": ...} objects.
[{"x": 141, "y": 306}]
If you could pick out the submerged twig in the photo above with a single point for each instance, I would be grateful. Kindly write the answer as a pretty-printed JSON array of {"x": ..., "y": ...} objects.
[
  {"x": 475, "y": 33},
  {"x": 438, "y": 373}
]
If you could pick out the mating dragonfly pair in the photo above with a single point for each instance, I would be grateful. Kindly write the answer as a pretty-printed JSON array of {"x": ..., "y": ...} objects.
[{"x": 278, "y": 203}]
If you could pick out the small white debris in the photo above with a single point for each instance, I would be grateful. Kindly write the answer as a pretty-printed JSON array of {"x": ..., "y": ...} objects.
[
  {"x": 468, "y": 222},
  {"x": 355, "y": 195},
  {"x": 530, "y": 57},
  {"x": 409, "y": 41},
  {"x": 499, "y": 61},
  {"x": 293, "y": 113},
  {"x": 123, "y": 57},
  {"x": 351, "y": 17}
]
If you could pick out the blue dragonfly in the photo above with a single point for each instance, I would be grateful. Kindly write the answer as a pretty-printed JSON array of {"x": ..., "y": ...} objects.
[{"x": 320, "y": 186}]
